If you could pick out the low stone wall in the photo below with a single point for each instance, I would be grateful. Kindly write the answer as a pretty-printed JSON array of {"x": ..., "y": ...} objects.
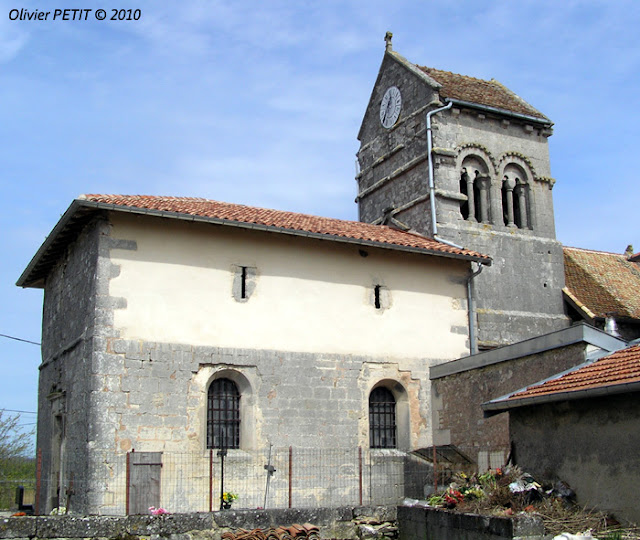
[
  {"x": 432, "y": 524},
  {"x": 340, "y": 523},
  {"x": 346, "y": 523}
]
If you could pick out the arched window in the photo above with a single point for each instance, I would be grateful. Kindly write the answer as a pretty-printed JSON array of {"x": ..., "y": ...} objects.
[
  {"x": 382, "y": 418},
  {"x": 515, "y": 198},
  {"x": 475, "y": 186},
  {"x": 223, "y": 415}
]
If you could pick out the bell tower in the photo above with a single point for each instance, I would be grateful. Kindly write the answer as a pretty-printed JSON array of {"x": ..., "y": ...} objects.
[{"x": 467, "y": 161}]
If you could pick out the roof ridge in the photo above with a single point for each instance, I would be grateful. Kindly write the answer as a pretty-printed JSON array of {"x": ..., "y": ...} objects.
[
  {"x": 588, "y": 250},
  {"x": 226, "y": 203},
  {"x": 458, "y": 74}
]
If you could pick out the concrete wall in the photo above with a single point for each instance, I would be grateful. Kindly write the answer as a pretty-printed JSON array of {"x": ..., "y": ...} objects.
[
  {"x": 457, "y": 400},
  {"x": 592, "y": 444},
  {"x": 520, "y": 295},
  {"x": 432, "y": 524}
]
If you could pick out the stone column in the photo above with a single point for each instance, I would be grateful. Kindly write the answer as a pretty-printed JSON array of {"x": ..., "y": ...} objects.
[
  {"x": 509, "y": 184},
  {"x": 521, "y": 193},
  {"x": 466, "y": 177},
  {"x": 483, "y": 184}
]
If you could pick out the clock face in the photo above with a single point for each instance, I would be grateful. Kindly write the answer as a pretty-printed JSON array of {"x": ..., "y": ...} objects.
[{"x": 390, "y": 107}]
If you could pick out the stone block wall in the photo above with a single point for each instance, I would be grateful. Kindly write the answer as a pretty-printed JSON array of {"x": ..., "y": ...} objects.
[
  {"x": 459, "y": 419},
  {"x": 64, "y": 388},
  {"x": 339, "y": 523},
  {"x": 520, "y": 295}
]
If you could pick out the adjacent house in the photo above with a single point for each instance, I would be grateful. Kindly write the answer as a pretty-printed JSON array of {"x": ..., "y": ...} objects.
[
  {"x": 460, "y": 387},
  {"x": 583, "y": 426},
  {"x": 602, "y": 289},
  {"x": 178, "y": 326}
]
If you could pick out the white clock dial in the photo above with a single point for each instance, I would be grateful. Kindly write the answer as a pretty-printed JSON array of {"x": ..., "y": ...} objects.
[{"x": 390, "y": 107}]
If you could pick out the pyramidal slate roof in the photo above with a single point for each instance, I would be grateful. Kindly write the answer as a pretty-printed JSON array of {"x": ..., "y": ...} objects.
[
  {"x": 238, "y": 215},
  {"x": 600, "y": 283}
]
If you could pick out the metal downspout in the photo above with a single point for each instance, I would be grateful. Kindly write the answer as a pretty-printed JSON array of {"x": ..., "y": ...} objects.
[
  {"x": 471, "y": 304},
  {"x": 432, "y": 188}
]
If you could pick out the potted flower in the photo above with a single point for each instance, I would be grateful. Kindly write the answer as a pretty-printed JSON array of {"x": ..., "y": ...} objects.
[{"x": 227, "y": 498}]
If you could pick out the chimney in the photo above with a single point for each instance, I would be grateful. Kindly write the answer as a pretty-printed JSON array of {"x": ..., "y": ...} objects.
[
  {"x": 628, "y": 253},
  {"x": 610, "y": 325}
]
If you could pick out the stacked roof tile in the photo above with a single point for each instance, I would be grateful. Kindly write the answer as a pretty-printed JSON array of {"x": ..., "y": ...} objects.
[
  {"x": 603, "y": 283},
  {"x": 295, "y": 531},
  {"x": 619, "y": 368},
  {"x": 490, "y": 93}
]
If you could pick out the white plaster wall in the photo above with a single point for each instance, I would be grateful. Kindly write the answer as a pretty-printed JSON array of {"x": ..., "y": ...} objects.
[{"x": 310, "y": 295}]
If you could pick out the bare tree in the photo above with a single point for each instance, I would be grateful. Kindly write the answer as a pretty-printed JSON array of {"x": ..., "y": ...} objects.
[{"x": 14, "y": 443}]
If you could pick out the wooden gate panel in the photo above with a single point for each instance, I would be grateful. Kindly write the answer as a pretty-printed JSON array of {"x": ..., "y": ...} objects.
[{"x": 144, "y": 481}]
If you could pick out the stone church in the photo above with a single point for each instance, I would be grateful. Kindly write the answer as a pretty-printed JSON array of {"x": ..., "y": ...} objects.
[
  {"x": 467, "y": 161},
  {"x": 175, "y": 326}
]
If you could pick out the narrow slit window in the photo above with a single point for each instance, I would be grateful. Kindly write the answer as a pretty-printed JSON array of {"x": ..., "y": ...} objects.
[
  {"x": 376, "y": 297},
  {"x": 243, "y": 282}
]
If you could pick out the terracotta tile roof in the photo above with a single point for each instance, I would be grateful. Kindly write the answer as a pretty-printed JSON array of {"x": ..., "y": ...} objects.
[
  {"x": 605, "y": 283},
  {"x": 490, "y": 93},
  {"x": 621, "y": 367},
  {"x": 279, "y": 219}
]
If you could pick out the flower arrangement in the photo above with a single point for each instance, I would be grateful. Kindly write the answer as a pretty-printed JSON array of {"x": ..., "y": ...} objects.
[
  {"x": 229, "y": 496},
  {"x": 157, "y": 511},
  {"x": 452, "y": 497}
]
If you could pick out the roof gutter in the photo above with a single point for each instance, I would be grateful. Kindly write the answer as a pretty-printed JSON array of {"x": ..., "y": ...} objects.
[
  {"x": 496, "y": 110},
  {"x": 432, "y": 188},
  {"x": 492, "y": 408},
  {"x": 471, "y": 303}
]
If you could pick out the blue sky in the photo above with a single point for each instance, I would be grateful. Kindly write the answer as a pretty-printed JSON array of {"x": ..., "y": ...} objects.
[{"x": 260, "y": 103}]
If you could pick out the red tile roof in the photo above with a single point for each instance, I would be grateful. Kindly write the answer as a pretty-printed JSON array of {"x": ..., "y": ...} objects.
[
  {"x": 490, "y": 93},
  {"x": 621, "y": 367},
  {"x": 282, "y": 220},
  {"x": 82, "y": 209},
  {"x": 605, "y": 283}
]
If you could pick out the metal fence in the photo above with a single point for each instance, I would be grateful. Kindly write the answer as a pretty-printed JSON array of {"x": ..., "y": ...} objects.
[
  {"x": 9, "y": 493},
  {"x": 119, "y": 484}
]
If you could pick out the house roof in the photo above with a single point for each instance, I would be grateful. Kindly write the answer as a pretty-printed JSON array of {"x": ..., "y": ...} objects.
[
  {"x": 221, "y": 213},
  {"x": 488, "y": 93},
  {"x": 577, "y": 333},
  {"x": 615, "y": 373},
  {"x": 600, "y": 283}
]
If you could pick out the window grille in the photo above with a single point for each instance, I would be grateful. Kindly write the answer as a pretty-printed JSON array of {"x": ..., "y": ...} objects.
[
  {"x": 223, "y": 415},
  {"x": 382, "y": 418}
]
